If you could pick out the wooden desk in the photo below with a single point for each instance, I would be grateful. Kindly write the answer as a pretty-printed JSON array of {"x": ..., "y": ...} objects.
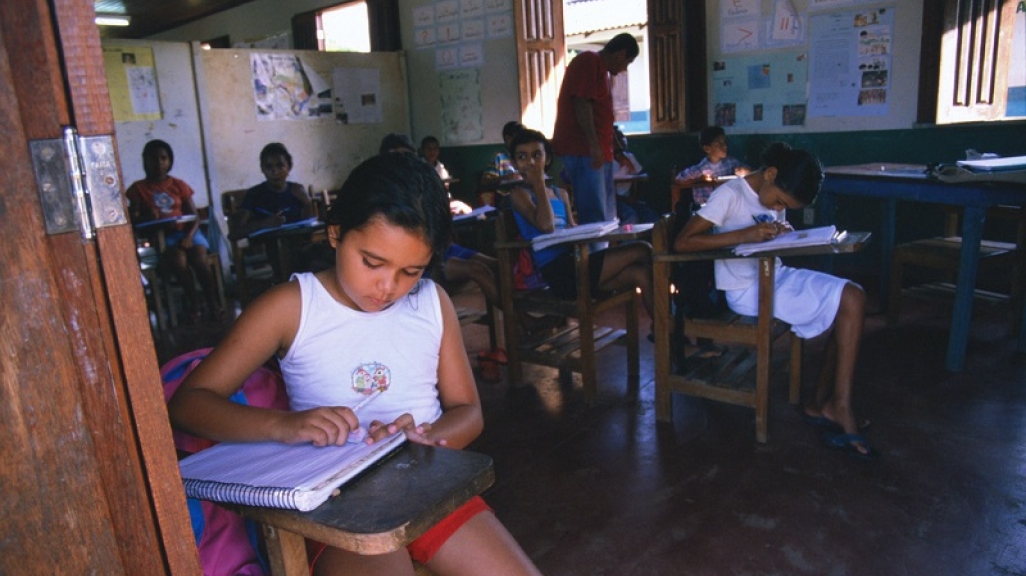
[
  {"x": 380, "y": 512},
  {"x": 890, "y": 183},
  {"x": 707, "y": 381},
  {"x": 281, "y": 240},
  {"x": 675, "y": 188}
]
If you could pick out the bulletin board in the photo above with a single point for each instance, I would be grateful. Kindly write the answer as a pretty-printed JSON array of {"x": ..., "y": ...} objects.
[{"x": 813, "y": 65}]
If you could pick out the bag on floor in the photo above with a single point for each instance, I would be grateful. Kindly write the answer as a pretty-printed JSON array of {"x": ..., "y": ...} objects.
[{"x": 228, "y": 544}]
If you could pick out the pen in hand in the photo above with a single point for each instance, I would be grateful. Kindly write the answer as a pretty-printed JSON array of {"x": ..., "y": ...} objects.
[{"x": 360, "y": 433}]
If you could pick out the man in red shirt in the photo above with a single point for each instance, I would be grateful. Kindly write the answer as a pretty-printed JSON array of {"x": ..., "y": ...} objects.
[{"x": 583, "y": 135}]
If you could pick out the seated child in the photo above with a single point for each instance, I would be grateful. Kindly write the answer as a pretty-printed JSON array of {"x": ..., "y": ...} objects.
[
  {"x": 502, "y": 168},
  {"x": 430, "y": 148},
  {"x": 751, "y": 209},
  {"x": 275, "y": 201},
  {"x": 373, "y": 308},
  {"x": 540, "y": 209},
  {"x": 628, "y": 210},
  {"x": 459, "y": 264},
  {"x": 715, "y": 165},
  {"x": 160, "y": 196}
]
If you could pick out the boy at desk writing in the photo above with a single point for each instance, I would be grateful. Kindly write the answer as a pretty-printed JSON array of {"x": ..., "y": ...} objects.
[
  {"x": 275, "y": 201},
  {"x": 161, "y": 196},
  {"x": 716, "y": 164},
  {"x": 751, "y": 209},
  {"x": 374, "y": 310}
]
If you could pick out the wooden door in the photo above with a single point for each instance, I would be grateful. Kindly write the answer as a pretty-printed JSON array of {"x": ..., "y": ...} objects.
[{"x": 89, "y": 479}]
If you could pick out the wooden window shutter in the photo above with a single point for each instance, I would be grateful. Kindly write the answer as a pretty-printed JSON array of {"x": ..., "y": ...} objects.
[
  {"x": 304, "y": 31},
  {"x": 974, "y": 59},
  {"x": 541, "y": 46},
  {"x": 677, "y": 56}
]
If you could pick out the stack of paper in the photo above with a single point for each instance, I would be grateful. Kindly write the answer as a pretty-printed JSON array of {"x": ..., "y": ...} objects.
[
  {"x": 995, "y": 164},
  {"x": 592, "y": 230},
  {"x": 297, "y": 476},
  {"x": 795, "y": 239}
]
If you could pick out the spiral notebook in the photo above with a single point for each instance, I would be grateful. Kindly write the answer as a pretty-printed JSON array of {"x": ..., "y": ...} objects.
[{"x": 276, "y": 475}]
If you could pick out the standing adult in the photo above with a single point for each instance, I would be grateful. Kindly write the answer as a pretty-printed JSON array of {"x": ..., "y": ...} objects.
[{"x": 583, "y": 135}]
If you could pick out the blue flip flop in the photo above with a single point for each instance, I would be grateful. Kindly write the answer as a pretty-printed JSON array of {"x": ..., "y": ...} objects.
[
  {"x": 847, "y": 442},
  {"x": 827, "y": 424}
]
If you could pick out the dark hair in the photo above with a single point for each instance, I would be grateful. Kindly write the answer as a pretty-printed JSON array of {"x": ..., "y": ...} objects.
[
  {"x": 396, "y": 140},
  {"x": 799, "y": 173},
  {"x": 623, "y": 41},
  {"x": 151, "y": 148},
  {"x": 405, "y": 191},
  {"x": 709, "y": 134},
  {"x": 526, "y": 136},
  {"x": 511, "y": 128},
  {"x": 429, "y": 140},
  {"x": 276, "y": 149}
]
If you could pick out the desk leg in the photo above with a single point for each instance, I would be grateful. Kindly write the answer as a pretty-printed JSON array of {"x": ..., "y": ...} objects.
[
  {"x": 286, "y": 552},
  {"x": 972, "y": 233},
  {"x": 889, "y": 218}
]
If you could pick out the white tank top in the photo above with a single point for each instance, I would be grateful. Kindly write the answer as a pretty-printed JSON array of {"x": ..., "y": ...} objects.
[{"x": 340, "y": 353}]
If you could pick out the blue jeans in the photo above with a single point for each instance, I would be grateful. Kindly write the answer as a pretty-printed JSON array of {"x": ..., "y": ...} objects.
[{"x": 593, "y": 190}]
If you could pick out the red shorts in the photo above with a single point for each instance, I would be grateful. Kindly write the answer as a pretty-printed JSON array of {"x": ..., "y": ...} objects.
[{"x": 424, "y": 548}]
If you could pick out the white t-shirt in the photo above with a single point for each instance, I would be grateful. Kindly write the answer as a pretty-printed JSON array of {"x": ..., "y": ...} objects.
[
  {"x": 733, "y": 206},
  {"x": 339, "y": 353}
]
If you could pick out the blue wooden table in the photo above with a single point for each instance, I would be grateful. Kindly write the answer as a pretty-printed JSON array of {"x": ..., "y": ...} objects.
[{"x": 890, "y": 183}]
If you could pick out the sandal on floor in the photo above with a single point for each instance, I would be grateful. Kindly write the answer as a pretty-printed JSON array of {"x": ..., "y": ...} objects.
[
  {"x": 850, "y": 444},
  {"x": 490, "y": 371},
  {"x": 827, "y": 424},
  {"x": 497, "y": 355}
]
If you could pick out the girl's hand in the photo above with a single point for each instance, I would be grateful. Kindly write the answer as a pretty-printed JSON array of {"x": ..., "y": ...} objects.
[
  {"x": 763, "y": 232},
  {"x": 324, "y": 426},
  {"x": 419, "y": 434}
]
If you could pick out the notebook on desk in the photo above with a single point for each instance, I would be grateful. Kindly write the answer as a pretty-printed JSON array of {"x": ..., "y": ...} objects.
[{"x": 277, "y": 475}]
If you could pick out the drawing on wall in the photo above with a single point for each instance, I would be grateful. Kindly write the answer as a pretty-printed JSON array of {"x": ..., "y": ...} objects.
[
  {"x": 281, "y": 89},
  {"x": 754, "y": 88},
  {"x": 726, "y": 114},
  {"x": 358, "y": 95},
  {"x": 1017, "y": 65},
  {"x": 460, "y": 95},
  {"x": 132, "y": 83},
  {"x": 850, "y": 62}
]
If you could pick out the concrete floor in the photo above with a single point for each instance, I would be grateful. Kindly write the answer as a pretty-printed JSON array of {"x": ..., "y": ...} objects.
[{"x": 607, "y": 490}]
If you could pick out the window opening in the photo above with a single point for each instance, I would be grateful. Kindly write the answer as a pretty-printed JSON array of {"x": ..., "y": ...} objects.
[{"x": 344, "y": 28}]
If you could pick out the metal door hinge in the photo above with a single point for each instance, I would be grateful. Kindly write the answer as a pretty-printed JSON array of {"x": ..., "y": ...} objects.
[{"x": 77, "y": 178}]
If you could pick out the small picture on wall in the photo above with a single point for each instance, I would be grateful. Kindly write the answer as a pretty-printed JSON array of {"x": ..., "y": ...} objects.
[
  {"x": 757, "y": 112},
  {"x": 793, "y": 115},
  {"x": 726, "y": 114}
]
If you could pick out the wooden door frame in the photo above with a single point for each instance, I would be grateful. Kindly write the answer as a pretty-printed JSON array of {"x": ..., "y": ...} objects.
[{"x": 96, "y": 472}]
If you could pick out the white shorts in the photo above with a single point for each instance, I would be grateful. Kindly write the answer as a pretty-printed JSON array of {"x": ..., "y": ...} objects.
[{"x": 805, "y": 299}]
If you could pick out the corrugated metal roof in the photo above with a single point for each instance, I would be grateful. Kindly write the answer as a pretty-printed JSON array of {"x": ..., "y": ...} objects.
[{"x": 583, "y": 16}]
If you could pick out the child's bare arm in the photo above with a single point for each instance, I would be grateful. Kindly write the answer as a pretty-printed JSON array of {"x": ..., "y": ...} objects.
[
  {"x": 461, "y": 421},
  {"x": 201, "y": 405},
  {"x": 697, "y": 236}
]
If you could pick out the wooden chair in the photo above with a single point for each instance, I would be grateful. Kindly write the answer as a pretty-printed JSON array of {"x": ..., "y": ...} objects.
[
  {"x": 571, "y": 348},
  {"x": 249, "y": 263},
  {"x": 736, "y": 376},
  {"x": 944, "y": 254},
  {"x": 167, "y": 294}
]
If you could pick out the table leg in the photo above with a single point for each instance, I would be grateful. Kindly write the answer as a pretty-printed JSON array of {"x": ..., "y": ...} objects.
[
  {"x": 972, "y": 233},
  {"x": 889, "y": 218},
  {"x": 286, "y": 552}
]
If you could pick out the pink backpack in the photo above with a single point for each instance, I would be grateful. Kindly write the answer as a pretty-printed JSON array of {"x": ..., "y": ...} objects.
[{"x": 228, "y": 544}]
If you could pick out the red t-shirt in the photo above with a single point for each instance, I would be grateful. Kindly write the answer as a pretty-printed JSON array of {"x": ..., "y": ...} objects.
[
  {"x": 586, "y": 77},
  {"x": 165, "y": 196}
]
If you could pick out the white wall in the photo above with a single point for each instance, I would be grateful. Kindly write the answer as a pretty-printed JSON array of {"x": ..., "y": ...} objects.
[
  {"x": 180, "y": 126},
  {"x": 500, "y": 88}
]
